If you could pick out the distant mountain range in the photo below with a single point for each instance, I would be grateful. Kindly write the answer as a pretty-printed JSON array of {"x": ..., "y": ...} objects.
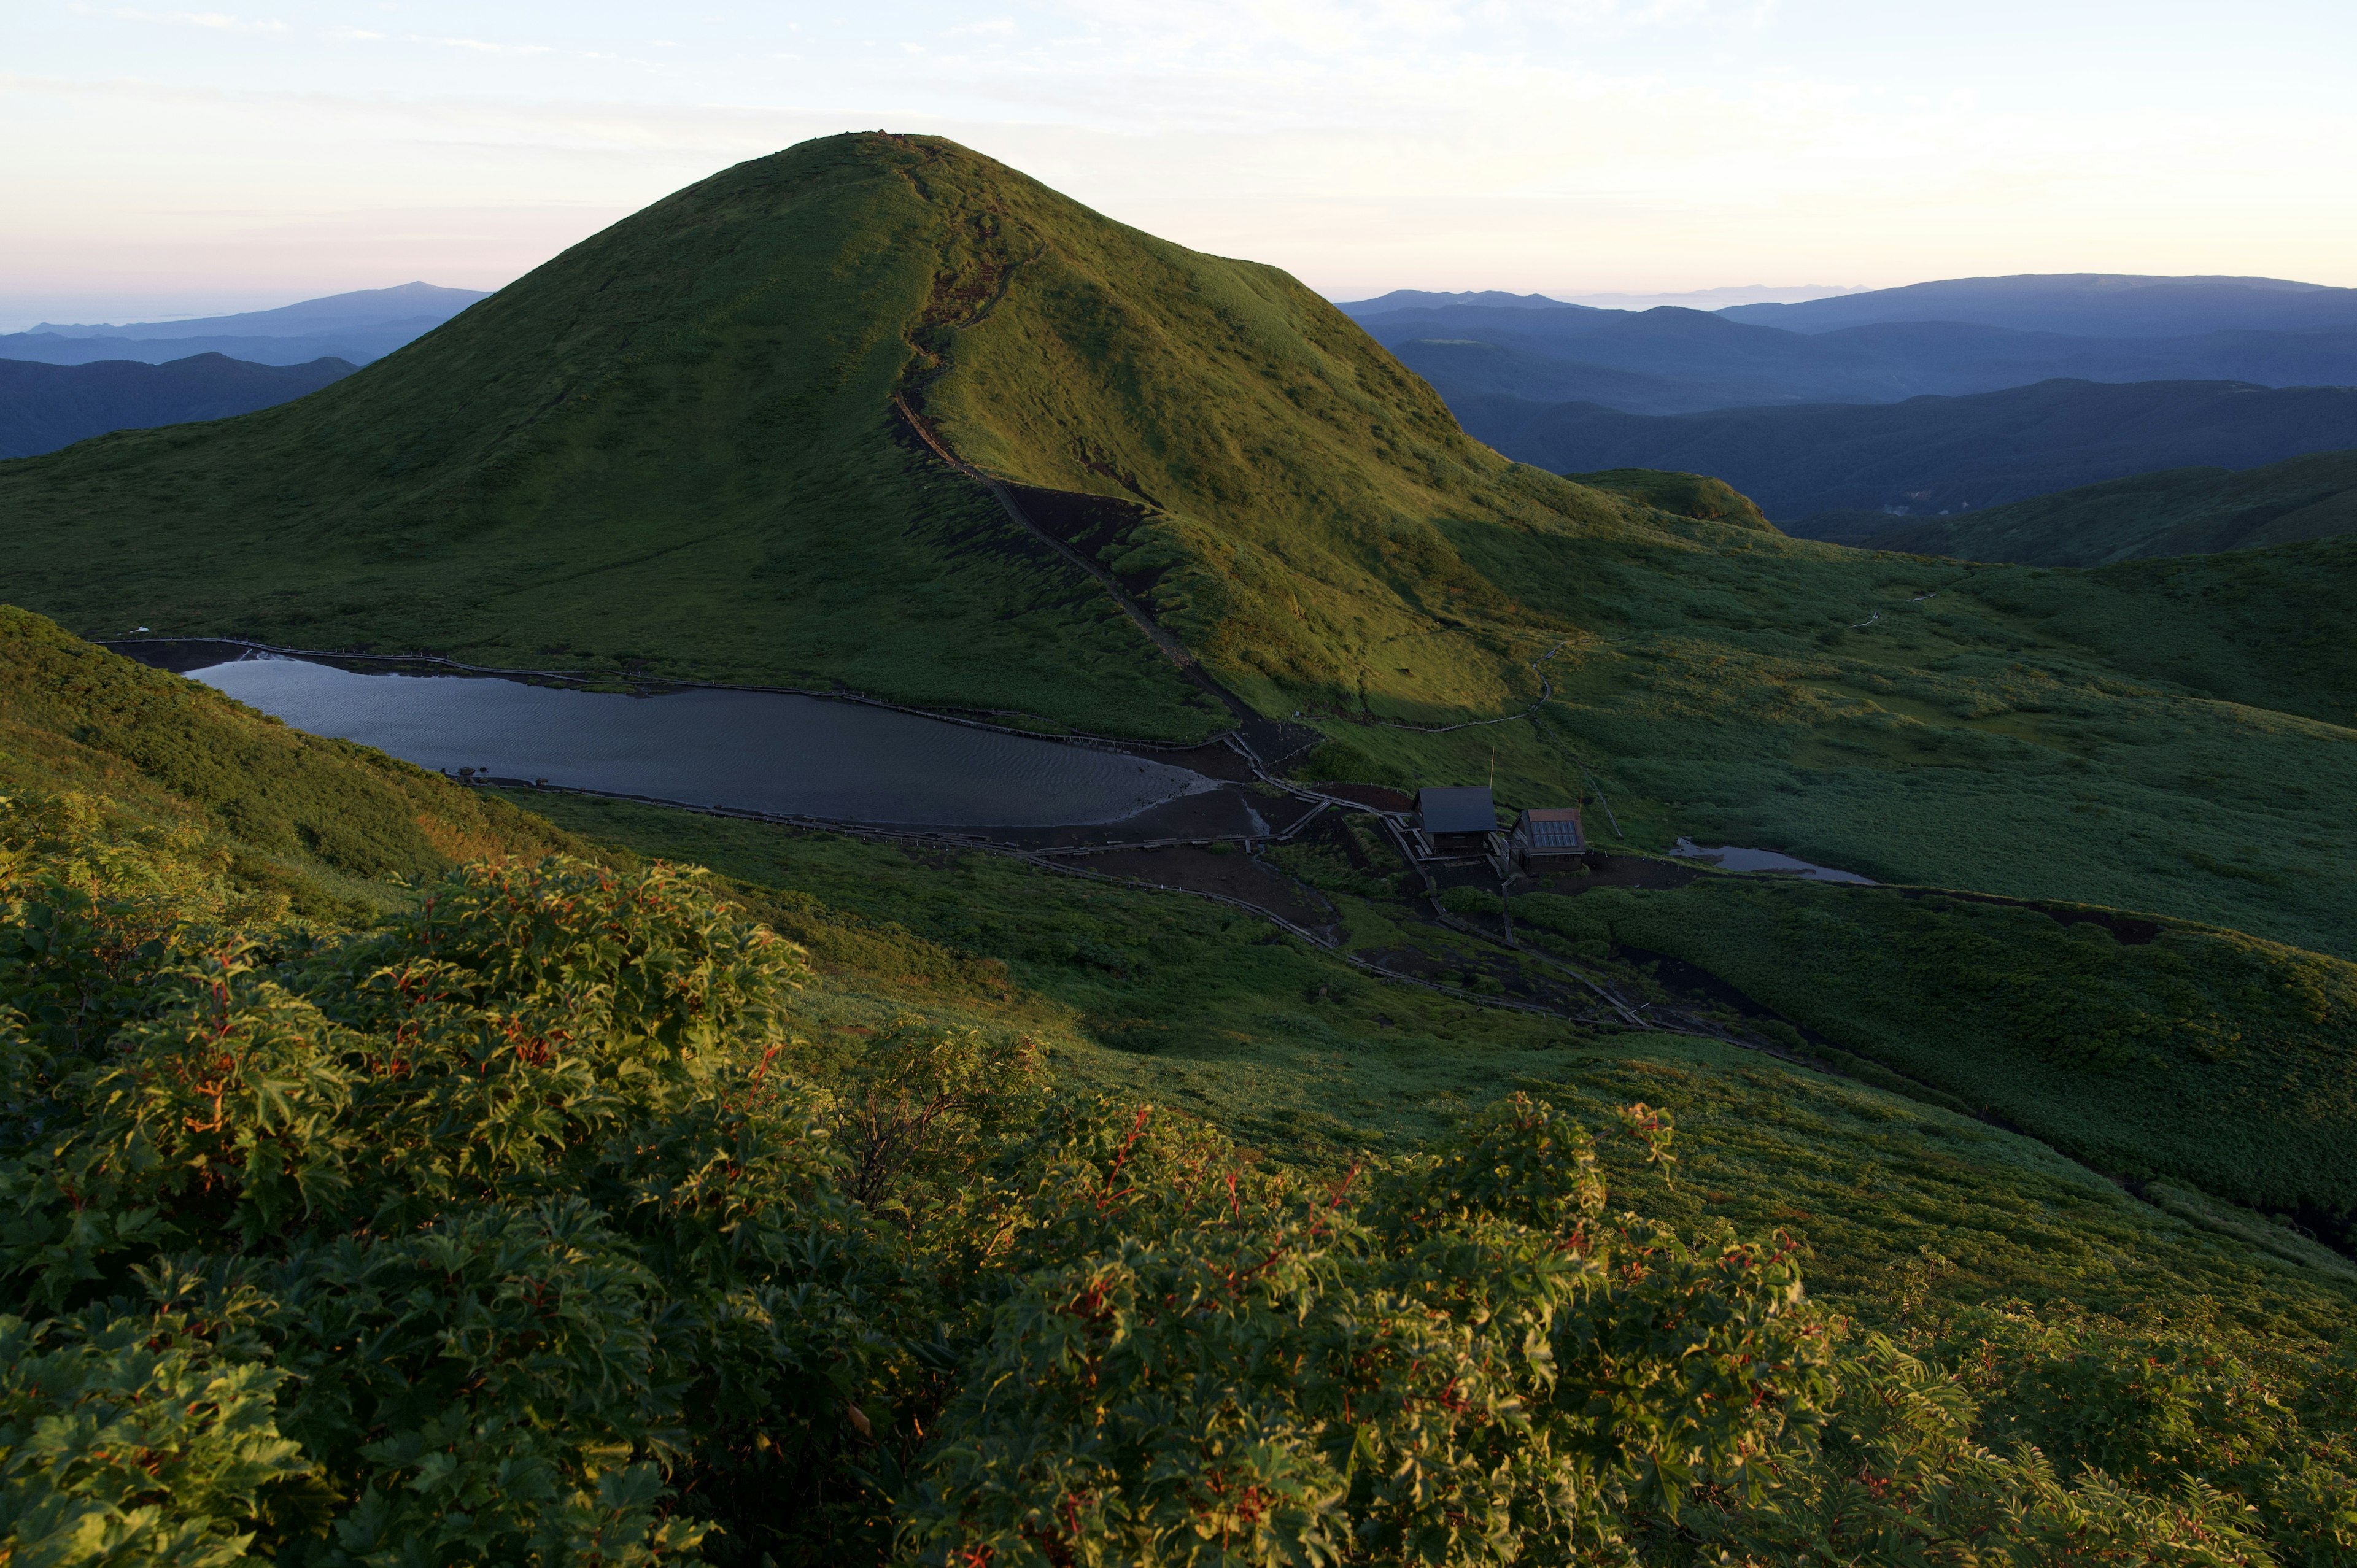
[
  {"x": 2178, "y": 512},
  {"x": 365, "y": 325},
  {"x": 2087, "y": 304},
  {"x": 1933, "y": 455},
  {"x": 1952, "y": 338},
  {"x": 44, "y": 407},
  {"x": 1669, "y": 361},
  {"x": 1406, "y": 300}
]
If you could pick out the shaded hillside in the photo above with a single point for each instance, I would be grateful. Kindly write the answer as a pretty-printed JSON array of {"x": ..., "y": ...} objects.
[
  {"x": 325, "y": 821},
  {"x": 1465, "y": 368},
  {"x": 2178, "y": 512},
  {"x": 44, "y": 407},
  {"x": 2097, "y": 304},
  {"x": 1934, "y": 455}
]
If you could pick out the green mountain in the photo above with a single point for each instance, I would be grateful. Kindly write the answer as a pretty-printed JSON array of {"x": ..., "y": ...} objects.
[
  {"x": 678, "y": 443},
  {"x": 708, "y": 442},
  {"x": 2177, "y": 512}
]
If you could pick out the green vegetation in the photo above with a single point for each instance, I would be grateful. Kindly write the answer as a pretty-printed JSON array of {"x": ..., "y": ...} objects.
[
  {"x": 1681, "y": 494},
  {"x": 2146, "y": 1048},
  {"x": 323, "y": 823},
  {"x": 671, "y": 446},
  {"x": 1291, "y": 1049},
  {"x": 562, "y": 1213},
  {"x": 2177, "y": 512}
]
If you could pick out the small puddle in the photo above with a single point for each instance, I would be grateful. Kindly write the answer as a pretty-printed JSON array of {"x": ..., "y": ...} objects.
[
  {"x": 1729, "y": 857},
  {"x": 758, "y": 751}
]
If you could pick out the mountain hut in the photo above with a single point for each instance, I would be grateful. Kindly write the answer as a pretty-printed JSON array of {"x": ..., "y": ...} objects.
[
  {"x": 1456, "y": 820},
  {"x": 1547, "y": 837}
]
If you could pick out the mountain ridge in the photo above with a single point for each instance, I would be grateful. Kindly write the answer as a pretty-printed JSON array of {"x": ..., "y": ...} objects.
[
  {"x": 358, "y": 327},
  {"x": 45, "y": 407},
  {"x": 357, "y": 308},
  {"x": 1696, "y": 361},
  {"x": 2100, "y": 304},
  {"x": 1929, "y": 455}
]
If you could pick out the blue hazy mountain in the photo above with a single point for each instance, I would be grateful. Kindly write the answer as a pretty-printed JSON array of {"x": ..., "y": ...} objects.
[
  {"x": 44, "y": 407},
  {"x": 1930, "y": 456},
  {"x": 1688, "y": 360},
  {"x": 364, "y": 325},
  {"x": 1401, "y": 299},
  {"x": 2087, "y": 304}
]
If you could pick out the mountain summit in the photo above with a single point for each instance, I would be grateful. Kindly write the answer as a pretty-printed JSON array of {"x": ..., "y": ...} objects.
[{"x": 706, "y": 440}]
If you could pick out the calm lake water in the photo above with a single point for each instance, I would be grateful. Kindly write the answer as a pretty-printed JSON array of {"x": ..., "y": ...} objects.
[{"x": 752, "y": 750}]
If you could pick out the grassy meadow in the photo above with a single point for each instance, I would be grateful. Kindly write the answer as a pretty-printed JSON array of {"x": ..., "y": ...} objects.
[{"x": 1300, "y": 1055}]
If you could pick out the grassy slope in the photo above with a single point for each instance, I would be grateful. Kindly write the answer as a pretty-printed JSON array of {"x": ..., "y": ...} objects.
[
  {"x": 2195, "y": 1054},
  {"x": 2169, "y": 736},
  {"x": 1189, "y": 1003},
  {"x": 1685, "y": 495},
  {"x": 675, "y": 443},
  {"x": 2180, "y": 511},
  {"x": 325, "y": 822}
]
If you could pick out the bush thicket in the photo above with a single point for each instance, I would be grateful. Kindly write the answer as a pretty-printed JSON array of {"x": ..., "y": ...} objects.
[{"x": 522, "y": 1227}]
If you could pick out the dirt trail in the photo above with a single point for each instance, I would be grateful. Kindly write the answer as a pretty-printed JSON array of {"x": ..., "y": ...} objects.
[
  {"x": 1172, "y": 648},
  {"x": 1270, "y": 741}
]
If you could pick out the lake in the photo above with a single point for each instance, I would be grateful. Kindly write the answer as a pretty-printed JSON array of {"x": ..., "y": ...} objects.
[{"x": 758, "y": 751}]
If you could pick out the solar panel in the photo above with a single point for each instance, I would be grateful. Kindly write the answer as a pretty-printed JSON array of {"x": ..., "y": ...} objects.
[{"x": 1561, "y": 834}]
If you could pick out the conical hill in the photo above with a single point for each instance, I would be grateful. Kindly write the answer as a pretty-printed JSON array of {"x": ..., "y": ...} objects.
[{"x": 678, "y": 445}]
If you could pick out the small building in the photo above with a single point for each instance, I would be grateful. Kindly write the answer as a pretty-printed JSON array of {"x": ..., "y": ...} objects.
[
  {"x": 1551, "y": 835},
  {"x": 1456, "y": 820}
]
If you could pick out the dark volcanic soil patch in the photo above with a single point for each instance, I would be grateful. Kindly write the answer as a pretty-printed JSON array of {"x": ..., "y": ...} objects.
[
  {"x": 1373, "y": 795},
  {"x": 1232, "y": 874}
]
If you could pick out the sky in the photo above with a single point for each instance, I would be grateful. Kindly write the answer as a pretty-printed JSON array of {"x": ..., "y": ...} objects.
[{"x": 165, "y": 161}]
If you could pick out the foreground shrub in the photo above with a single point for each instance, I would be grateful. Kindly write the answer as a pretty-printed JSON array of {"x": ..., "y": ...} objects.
[{"x": 521, "y": 1228}]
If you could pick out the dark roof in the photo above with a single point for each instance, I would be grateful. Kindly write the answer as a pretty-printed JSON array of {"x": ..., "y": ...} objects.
[
  {"x": 1458, "y": 809},
  {"x": 1551, "y": 828}
]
